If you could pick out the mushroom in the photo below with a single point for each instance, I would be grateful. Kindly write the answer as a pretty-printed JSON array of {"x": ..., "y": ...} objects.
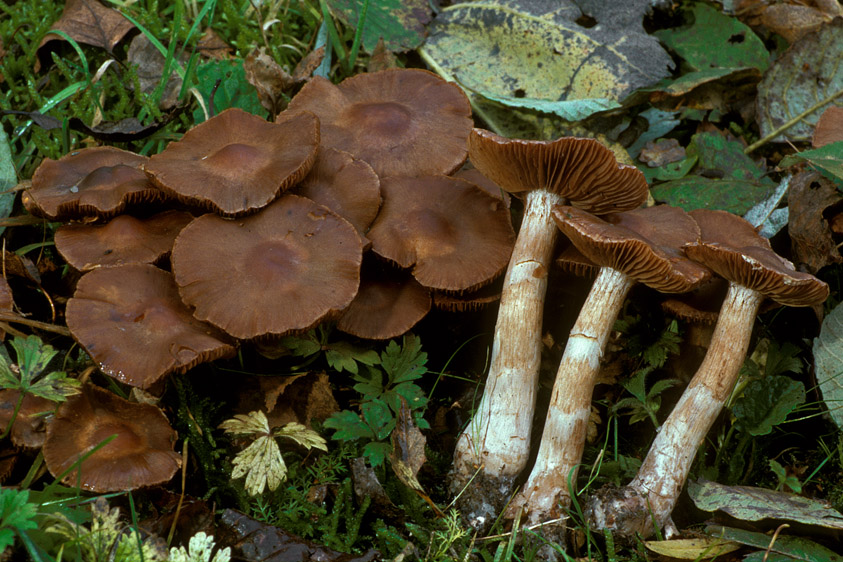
[
  {"x": 346, "y": 185},
  {"x": 29, "y": 426},
  {"x": 123, "y": 240},
  {"x": 98, "y": 182},
  {"x": 140, "y": 455},
  {"x": 235, "y": 163},
  {"x": 281, "y": 270},
  {"x": 494, "y": 447},
  {"x": 733, "y": 249},
  {"x": 642, "y": 245},
  {"x": 454, "y": 235},
  {"x": 130, "y": 320},
  {"x": 401, "y": 121}
]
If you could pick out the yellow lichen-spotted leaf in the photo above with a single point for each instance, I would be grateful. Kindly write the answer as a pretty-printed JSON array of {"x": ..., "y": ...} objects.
[
  {"x": 692, "y": 549},
  {"x": 535, "y": 49}
]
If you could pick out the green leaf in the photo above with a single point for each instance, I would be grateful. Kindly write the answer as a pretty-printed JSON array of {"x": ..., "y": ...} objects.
[
  {"x": 696, "y": 192},
  {"x": 766, "y": 403},
  {"x": 716, "y": 152},
  {"x": 379, "y": 417},
  {"x": 56, "y": 386},
  {"x": 828, "y": 158},
  {"x": 33, "y": 357},
  {"x": 16, "y": 514},
  {"x": 307, "y": 438},
  {"x": 671, "y": 171},
  {"x": 376, "y": 452},
  {"x": 737, "y": 45},
  {"x": 401, "y": 23},
  {"x": 405, "y": 363},
  {"x": 828, "y": 360},
  {"x": 569, "y": 110},
  {"x": 782, "y": 359},
  {"x": 344, "y": 356},
  {"x": 302, "y": 346},
  {"x": 791, "y": 94},
  {"x": 233, "y": 90},
  {"x": 348, "y": 426},
  {"x": 784, "y": 549},
  {"x": 754, "y": 504},
  {"x": 8, "y": 178}
]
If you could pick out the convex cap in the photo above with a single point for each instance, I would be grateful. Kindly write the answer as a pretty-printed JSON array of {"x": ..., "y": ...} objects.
[
  {"x": 235, "y": 163},
  {"x": 645, "y": 244},
  {"x": 581, "y": 170},
  {"x": 733, "y": 249},
  {"x": 401, "y": 121}
]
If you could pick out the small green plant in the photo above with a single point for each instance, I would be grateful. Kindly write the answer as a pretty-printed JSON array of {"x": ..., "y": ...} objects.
[
  {"x": 16, "y": 515},
  {"x": 261, "y": 462},
  {"x": 28, "y": 376},
  {"x": 382, "y": 387},
  {"x": 784, "y": 478}
]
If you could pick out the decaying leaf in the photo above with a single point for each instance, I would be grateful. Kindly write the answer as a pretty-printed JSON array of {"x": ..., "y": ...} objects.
[
  {"x": 367, "y": 485},
  {"x": 382, "y": 58},
  {"x": 150, "y": 68},
  {"x": 88, "y": 22},
  {"x": 661, "y": 152},
  {"x": 212, "y": 46},
  {"x": 311, "y": 61},
  {"x": 828, "y": 360},
  {"x": 804, "y": 80},
  {"x": 408, "y": 443},
  {"x": 829, "y": 127},
  {"x": 753, "y": 504},
  {"x": 784, "y": 548},
  {"x": 536, "y": 50},
  {"x": 692, "y": 549},
  {"x": 261, "y": 462},
  {"x": 791, "y": 19},
  {"x": 269, "y": 79},
  {"x": 810, "y": 234},
  {"x": 298, "y": 398},
  {"x": 253, "y": 541}
]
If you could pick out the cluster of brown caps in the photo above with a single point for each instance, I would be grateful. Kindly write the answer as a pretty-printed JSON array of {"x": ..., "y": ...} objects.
[{"x": 266, "y": 225}]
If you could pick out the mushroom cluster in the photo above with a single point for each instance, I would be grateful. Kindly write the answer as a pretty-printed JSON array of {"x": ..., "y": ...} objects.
[{"x": 265, "y": 225}]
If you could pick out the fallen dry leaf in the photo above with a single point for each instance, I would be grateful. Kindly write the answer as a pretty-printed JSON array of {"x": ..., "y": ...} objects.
[
  {"x": 253, "y": 541},
  {"x": 298, "y": 398},
  {"x": 382, "y": 58},
  {"x": 661, "y": 152},
  {"x": 88, "y": 22},
  {"x": 269, "y": 79},
  {"x": 408, "y": 443},
  {"x": 791, "y": 19},
  {"x": 213, "y": 47},
  {"x": 367, "y": 485},
  {"x": 810, "y": 234},
  {"x": 150, "y": 66},
  {"x": 304, "y": 69},
  {"x": 829, "y": 128}
]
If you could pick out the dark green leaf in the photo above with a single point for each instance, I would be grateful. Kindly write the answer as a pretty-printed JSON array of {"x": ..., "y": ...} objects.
[
  {"x": 404, "y": 363},
  {"x": 401, "y": 23},
  {"x": 302, "y": 346},
  {"x": 348, "y": 426},
  {"x": 233, "y": 90},
  {"x": 785, "y": 548},
  {"x": 376, "y": 452},
  {"x": 380, "y": 418},
  {"x": 828, "y": 158},
  {"x": 696, "y": 192},
  {"x": 766, "y": 403}
]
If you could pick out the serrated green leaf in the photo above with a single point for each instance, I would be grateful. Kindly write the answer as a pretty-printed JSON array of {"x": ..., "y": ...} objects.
[
  {"x": 404, "y": 363},
  {"x": 262, "y": 465},
  {"x": 33, "y": 356},
  {"x": 302, "y": 346},
  {"x": 766, "y": 403},
  {"x": 56, "y": 386},
  {"x": 253, "y": 423},
  {"x": 345, "y": 356},
  {"x": 16, "y": 512},
  {"x": 305, "y": 437},
  {"x": 782, "y": 359},
  {"x": 348, "y": 426},
  {"x": 379, "y": 417},
  {"x": 376, "y": 452}
]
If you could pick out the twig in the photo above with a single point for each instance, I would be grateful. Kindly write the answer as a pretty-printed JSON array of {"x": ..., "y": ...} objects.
[
  {"x": 777, "y": 131},
  {"x": 7, "y": 316}
]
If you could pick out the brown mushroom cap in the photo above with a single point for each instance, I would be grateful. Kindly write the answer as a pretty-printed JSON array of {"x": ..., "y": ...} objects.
[
  {"x": 30, "y": 423},
  {"x": 474, "y": 176},
  {"x": 454, "y": 235},
  {"x": 344, "y": 184},
  {"x": 141, "y": 455},
  {"x": 97, "y": 182},
  {"x": 732, "y": 248},
  {"x": 121, "y": 241},
  {"x": 579, "y": 169},
  {"x": 235, "y": 162},
  {"x": 131, "y": 321},
  {"x": 645, "y": 244},
  {"x": 387, "y": 305},
  {"x": 401, "y": 121},
  {"x": 277, "y": 271}
]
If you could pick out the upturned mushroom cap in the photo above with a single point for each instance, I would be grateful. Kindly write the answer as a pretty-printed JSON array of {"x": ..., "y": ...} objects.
[
  {"x": 141, "y": 455},
  {"x": 581, "y": 170},
  {"x": 645, "y": 244},
  {"x": 387, "y": 305},
  {"x": 123, "y": 240},
  {"x": 235, "y": 163},
  {"x": 96, "y": 182},
  {"x": 733, "y": 249},
  {"x": 401, "y": 121},
  {"x": 454, "y": 235},
  {"x": 131, "y": 321},
  {"x": 280, "y": 270},
  {"x": 346, "y": 185},
  {"x": 29, "y": 429}
]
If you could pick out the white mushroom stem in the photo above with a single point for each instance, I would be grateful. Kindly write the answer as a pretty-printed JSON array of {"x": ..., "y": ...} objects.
[
  {"x": 652, "y": 494},
  {"x": 545, "y": 495},
  {"x": 497, "y": 440}
]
